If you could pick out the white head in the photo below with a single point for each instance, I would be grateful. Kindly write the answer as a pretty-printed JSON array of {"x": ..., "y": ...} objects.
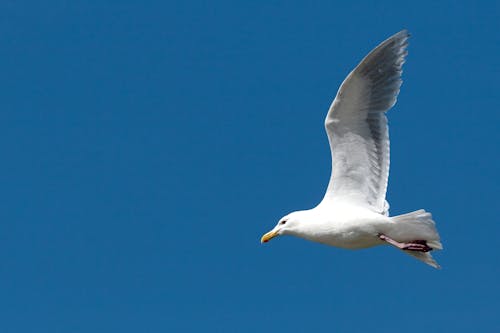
[{"x": 291, "y": 224}]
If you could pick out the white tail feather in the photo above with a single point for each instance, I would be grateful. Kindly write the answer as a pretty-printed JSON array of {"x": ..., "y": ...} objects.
[
  {"x": 425, "y": 257},
  {"x": 417, "y": 225}
]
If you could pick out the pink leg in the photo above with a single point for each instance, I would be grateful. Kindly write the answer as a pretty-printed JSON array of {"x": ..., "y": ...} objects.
[{"x": 416, "y": 245}]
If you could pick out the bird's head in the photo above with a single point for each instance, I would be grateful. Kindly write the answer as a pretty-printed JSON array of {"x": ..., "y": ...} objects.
[{"x": 287, "y": 225}]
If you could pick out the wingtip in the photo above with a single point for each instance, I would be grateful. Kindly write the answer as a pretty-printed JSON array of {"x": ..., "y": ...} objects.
[
  {"x": 401, "y": 37},
  {"x": 399, "y": 41},
  {"x": 403, "y": 32}
]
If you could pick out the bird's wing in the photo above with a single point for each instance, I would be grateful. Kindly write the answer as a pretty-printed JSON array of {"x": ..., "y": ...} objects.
[{"x": 357, "y": 126}]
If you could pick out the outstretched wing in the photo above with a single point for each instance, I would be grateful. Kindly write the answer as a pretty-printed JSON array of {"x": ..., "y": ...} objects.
[{"x": 357, "y": 126}]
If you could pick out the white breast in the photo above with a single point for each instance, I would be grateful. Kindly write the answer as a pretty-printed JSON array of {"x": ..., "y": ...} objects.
[{"x": 346, "y": 226}]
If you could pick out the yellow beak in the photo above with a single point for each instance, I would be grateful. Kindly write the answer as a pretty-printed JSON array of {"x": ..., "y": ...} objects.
[{"x": 270, "y": 235}]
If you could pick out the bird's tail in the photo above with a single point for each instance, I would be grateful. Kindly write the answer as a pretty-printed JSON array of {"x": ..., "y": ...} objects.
[{"x": 418, "y": 225}]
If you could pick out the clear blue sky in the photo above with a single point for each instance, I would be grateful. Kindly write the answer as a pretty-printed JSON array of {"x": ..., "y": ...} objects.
[{"x": 147, "y": 145}]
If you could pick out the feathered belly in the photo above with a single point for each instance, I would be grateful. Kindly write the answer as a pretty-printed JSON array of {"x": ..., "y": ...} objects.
[
  {"x": 353, "y": 235},
  {"x": 351, "y": 240}
]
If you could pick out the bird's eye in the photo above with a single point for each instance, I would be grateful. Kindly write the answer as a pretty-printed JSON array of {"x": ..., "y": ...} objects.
[{"x": 283, "y": 222}]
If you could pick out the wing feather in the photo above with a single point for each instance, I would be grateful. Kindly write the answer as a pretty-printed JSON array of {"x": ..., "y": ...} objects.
[{"x": 357, "y": 126}]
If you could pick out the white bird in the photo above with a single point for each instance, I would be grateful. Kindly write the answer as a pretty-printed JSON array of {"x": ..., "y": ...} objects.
[{"x": 354, "y": 213}]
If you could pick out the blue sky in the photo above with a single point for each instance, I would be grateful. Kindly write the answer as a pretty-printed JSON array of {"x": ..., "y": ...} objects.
[{"x": 147, "y": 145}]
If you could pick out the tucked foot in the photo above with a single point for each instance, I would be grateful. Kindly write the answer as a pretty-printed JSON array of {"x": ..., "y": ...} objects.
[{"x": 416, "y": 245}]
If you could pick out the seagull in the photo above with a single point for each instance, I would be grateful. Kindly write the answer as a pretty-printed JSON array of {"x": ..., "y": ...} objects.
[{"x": 354, "y": 213}]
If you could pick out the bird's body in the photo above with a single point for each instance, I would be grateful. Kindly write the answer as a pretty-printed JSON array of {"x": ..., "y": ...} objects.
[
  {"x": 354, "y": 212},
  {"x": 341, "y": 225}
]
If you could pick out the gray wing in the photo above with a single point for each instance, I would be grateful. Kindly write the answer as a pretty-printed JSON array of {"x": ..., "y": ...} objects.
[{"x": 357, "y": 126}]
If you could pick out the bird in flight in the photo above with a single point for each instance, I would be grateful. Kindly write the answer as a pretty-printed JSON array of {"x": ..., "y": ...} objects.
[{"x": 354, "y": 213}]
